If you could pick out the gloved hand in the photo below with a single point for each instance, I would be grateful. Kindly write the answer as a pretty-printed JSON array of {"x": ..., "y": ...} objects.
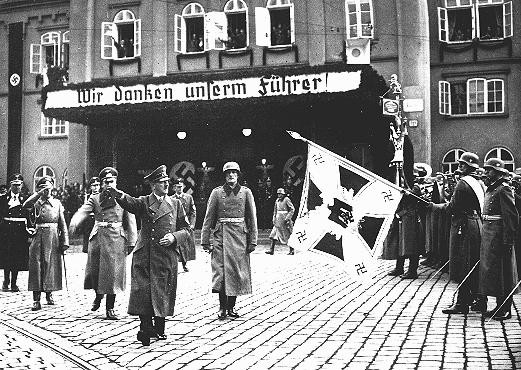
[
  {"x": 130, "y": 248},
  {"x": 250, "y": 248},
  {"x": 208, "y": 248}
]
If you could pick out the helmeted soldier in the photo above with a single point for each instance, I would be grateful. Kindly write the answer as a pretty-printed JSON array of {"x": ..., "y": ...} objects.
[
  {"x": 282, "y": 222},
  {"x": 187, "y": 251},
  {"x": 232, "y": 216},
  {"x": 49, "y": 243},
  {"x": 465, "y": 236},
  {"x": 154, "y": 262},
  {"x": 14, "y": 248},
  {"x": 498, "y": 270},
  {"x": 112, "y": 238}
]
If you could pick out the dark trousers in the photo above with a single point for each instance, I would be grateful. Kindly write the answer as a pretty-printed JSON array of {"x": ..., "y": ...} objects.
[
  {"x": 413, "y": 263},
  {"x": 152, "y": 324},
  {"x": 182, "y": 258},
  {"x": 464, "y": 297},
  {"x": 109, "y": 302},
  {"x": 226, "y": 302},
  {"x": 10, "y": 279}
]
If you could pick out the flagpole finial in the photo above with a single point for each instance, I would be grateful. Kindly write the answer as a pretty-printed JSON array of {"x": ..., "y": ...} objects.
[{"x": 295, "y": 135}]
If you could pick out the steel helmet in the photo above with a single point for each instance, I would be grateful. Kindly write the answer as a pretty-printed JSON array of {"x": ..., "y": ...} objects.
[
  {"x": 231, "y": 166},
  {"x": 470, "y": 158},
  {"x": 497, "y": 164}
]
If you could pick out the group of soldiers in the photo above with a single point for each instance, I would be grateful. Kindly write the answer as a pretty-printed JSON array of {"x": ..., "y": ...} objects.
[
  {"x": 165, "y": 237},
  {"x": 469, "y": 222}
]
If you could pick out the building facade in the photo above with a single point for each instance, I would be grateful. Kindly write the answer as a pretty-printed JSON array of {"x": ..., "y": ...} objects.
[
  {"x": 192, "y": 85},
  {"x": 475, "y": 80}
]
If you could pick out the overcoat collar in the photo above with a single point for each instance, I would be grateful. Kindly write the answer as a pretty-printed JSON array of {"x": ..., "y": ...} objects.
[
  {"x": 159, "y": 210},
  {"x": 495, "y": 184},
  {"x": 106, "y": 200},
  {"x": 228, "y": 189}
]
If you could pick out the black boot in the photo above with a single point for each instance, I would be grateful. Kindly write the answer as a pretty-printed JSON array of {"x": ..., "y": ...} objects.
[
  {"x": 272, "y": 249},
  {"x": 504, "y": 313},
  {"x": 231, "y": 304},
  {"x": 462, "y": 301},
  {"x": 14, "y": 278},
  {"x": 479, "y": 304},
  {"x": 36, "y": 301},
  {"x": 223, "y": 301},
  {"x": 291, "y": 251},
  {"x": 146, "y": 330},
  {"x": 97, "y": 302},
  {"x": 109, "y": 304},
  {"x": 159, "y": 327},
  {"x": 412, "y": 270},
  {"x": 5, "y": 284},
  {"x": 398, "y": 270},
  {"x": 49, "y": 299}
]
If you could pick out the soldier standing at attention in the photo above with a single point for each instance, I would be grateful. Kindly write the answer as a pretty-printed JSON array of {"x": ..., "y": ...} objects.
[
  {"x": 187, "y": 251},
  {"x": 14, "y": 248},
  {"x": 112, "y": 238},
  {"x": 232, "y": 216}
]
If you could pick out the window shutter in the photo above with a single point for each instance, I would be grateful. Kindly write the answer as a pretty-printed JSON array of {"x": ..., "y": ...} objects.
[
  {"x": 36, "y": 58},
  {"x": 221, "y": 29},
  {"x": 108, "y": 31},
  {"x": 179, "y": 39},
  {"x": 474, "y": 25},
  {"x": 292, "y": 22},
  {"x": 209, "y": 31},
  {"x": 507, "y": 19},
  {"x": 137, "y": 38},
  {"x": 444, "y": 97},
  {"x": 262, "y": 27},
  {"x": 443, "y": 33}
]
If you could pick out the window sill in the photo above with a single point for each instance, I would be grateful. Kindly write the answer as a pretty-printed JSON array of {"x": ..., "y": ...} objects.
[
  {"x": 234, "y": 53},
  {"x": 196, "y": 54},
  {"x": 124, "y": 61},
  {"x": 50, "y": 137},
  {"x": 476, "y": 115},
  {"x": 278, "y": 49}
]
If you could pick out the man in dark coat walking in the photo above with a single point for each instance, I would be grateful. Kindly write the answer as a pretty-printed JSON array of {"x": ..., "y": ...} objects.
[
  {"x": 187, "y": 251},
  {"x": 465, "y": 236},
  {"x": 232, "y": 216},
  {"x": 164, "y": 227},
  {"x": 498, "y": 270},
  {"x": 14, "y": 246}
]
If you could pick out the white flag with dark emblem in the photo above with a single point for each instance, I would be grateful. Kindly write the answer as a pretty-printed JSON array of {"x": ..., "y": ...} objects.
[{"x": 345, "y": 211}]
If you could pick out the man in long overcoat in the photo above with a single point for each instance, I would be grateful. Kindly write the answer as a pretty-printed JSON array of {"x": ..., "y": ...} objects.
[
  {"x": 112, "y": 238},
  {"x": 465, "y": 235},
  {"x": 282, "y": 221},
  {"x": 498, "y": 270},
  {"x": 187, "y": 251},
  {"x": 14, "y": 245},
  {"x": 232, "y": 216},
  {"x": 154, "y": 262},
  {"x": 49, "y": 243}
]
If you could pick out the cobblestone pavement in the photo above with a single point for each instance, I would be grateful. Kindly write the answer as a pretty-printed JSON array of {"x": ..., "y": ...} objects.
[{"x": 305, "y": 313}]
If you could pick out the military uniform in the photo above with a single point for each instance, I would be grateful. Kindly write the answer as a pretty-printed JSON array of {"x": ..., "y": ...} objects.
[
  {"x": 231, "y": 215},
  {"x": 14, "y": 246},
  {"x": 112, "y": 238},
  {"x": 282, "y": 221},
  {"x": 188, "y": 250},
  {"x": 48, "y": 245},
  {"x": 498, "y": 270}
]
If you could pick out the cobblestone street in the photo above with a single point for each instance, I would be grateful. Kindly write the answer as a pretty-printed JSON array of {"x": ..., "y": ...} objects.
[{"x": 305, "y": 313}]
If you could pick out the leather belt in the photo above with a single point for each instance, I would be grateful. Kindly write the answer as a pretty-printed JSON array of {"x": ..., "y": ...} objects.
[
  {"x": 47, "y": 224},
  {"x": 282, "y": 211},
  {"x": 492, "y": 217},
  {"x": 15, "y": 219},
  {"x": 231, "y": 219},
  {"x": 107, "y": 224}
]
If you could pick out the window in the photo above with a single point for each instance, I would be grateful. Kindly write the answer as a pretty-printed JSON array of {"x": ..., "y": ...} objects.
[
  {"x": 462, "y": 21},
  {"x": 450, "y": 160},
  {"x": 359, "y": 19},
  {"x": 473, "y": 96},
  {"x": 52, "y": 51},
  {"x": 237, "y": 24},
  {"x": 190, "y": 29},
  {"x": 121, "y": 39},
  {"x": 53, "y": 127},
  {"x": 275, "y": 24},
  {"x": 41, "y": 172},
  {"x": 505, "y": 155}
]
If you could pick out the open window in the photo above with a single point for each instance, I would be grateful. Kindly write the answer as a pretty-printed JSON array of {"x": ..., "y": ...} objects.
[
  {"x": 463, "y": 20},
  {"x": 121, "y": 39},
  {"x": 65, "y": 50},
  {"x": 237, "y": 36},
  {"x": 473, "y": 96},
  {"x": 275, "y": 24},
  {"x": 359, "y": 19},
  {"x": 190, "y": 29}
]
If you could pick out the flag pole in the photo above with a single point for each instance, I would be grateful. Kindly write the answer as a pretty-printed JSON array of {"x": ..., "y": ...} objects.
[{"x": 297, "y": 136}]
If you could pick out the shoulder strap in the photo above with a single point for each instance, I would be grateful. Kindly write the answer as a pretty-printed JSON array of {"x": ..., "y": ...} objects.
[{"x": 476, "y": 187}]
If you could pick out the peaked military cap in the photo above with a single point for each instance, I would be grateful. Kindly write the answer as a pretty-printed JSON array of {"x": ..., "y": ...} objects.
[
  {"x": 108, "y": 172},
  {"x": 159, "y": 174},
  {"x": 94, "y": 180},
  {"x": 16, "y": 179},
  {"x": 44, "y": 180},
  {"x": 179, "y": 181}
]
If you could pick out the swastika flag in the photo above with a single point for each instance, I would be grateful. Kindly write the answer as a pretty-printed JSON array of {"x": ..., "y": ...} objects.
[{"x": 345, "y": 211}]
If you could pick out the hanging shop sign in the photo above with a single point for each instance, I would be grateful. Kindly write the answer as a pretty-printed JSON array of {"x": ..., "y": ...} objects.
[
  {"x": 390, "y": 107},
  {"x": 252, "y": 87}
]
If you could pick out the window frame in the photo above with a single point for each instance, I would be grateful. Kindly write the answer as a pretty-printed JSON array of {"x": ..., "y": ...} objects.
[
  {"x": 237, "y": 10},
  {"x": 180, "y": 36},
  {"x": 359, "y": 25},
  {"x": 263, "y": 22},
  {"x": 445, "y": 100},
  {"x": 44, "y": 168},
  {"x": 53, "y": 124},
  {"x": 498, "y": 150},
  {"x": 443, "y": 84},
  {"x": 457, "y": 154},
  {"x": 55, "y": 39},
  {"x": 443, "y": 19},
  {"x": 110, "y": 32}
]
